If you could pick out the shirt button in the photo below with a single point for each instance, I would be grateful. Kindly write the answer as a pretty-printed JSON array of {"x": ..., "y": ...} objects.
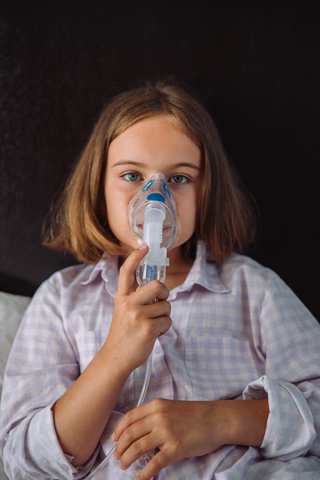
[{"x": 157, "y": 350}]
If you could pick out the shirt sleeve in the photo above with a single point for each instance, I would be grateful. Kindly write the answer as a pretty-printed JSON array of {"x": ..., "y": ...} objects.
[
  {"x": 41, "y": 368},
  {"x": 290, "y": 339}
]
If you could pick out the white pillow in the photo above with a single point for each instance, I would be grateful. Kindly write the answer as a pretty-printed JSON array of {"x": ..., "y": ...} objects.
[{"x": 12, "y": 308}]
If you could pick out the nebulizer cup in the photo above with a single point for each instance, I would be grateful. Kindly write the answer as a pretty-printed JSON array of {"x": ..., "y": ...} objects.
[
  {"x": 154, "y": 266},
  {"x": 153, "y": 218}
]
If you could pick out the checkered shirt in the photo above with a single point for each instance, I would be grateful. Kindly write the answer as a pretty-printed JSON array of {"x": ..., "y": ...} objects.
[{"x": 238, "y": 332}]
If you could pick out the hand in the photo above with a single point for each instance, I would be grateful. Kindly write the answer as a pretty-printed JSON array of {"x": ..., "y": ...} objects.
[
  {"x": 179, "y": 429},
  {"x": 136, "y": 324}
]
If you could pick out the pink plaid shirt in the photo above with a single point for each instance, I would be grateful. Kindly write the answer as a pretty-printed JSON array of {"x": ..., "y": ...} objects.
[{"x": 238, "y": 332}]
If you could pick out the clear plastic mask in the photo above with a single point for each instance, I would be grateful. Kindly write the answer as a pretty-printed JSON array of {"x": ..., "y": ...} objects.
[{"x": 155, "y": 193}]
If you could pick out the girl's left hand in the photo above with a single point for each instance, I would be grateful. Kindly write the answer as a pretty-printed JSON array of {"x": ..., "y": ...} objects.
[{"x": 179, "y": 429}]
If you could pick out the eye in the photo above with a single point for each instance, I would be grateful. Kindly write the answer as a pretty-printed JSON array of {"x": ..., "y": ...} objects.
[
  {"x": 131, "y": 177},
  {"x": 179, "y": 179}
]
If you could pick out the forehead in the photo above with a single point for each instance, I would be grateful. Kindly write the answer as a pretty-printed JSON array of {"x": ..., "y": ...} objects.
[{"x": 155, "y": 137}]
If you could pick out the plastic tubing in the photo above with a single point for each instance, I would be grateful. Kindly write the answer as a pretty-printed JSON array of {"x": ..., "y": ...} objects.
[{"x": 142, "y": 396}]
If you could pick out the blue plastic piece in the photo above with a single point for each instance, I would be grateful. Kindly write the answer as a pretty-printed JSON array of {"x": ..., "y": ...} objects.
[
  {"x": 151, "y": 273},
  {"x": 156, "y": 197},
  {"x": 165, "y": 186},
  {"x": 147, "y": 185}
]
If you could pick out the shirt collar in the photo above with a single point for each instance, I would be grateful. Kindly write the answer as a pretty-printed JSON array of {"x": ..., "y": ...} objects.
[
  {"x": 201, "y": 273},
  {"x": 107, "y": 267}
]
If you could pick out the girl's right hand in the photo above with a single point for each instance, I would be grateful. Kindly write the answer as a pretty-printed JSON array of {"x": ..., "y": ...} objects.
[{"x": 136, "y": 324}]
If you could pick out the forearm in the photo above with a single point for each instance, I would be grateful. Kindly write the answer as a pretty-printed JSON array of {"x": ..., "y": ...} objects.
[
  {"x": 247, "y": 421},
  {"x": 82, "y": 413}
]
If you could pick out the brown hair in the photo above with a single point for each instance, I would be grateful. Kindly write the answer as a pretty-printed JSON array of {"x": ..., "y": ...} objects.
[{"x": 226, "y": 221}]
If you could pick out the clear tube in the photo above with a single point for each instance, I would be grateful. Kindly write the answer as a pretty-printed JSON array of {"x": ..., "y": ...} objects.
[
  {"x": 140, "y": 402},
  {"x": 145, "y": 274}
]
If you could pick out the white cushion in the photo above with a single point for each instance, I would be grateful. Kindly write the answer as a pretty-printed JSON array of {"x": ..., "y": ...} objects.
[{"x": 12, "y": 308}]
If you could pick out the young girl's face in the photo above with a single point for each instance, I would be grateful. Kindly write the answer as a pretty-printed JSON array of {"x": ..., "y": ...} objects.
[{"x": 148, "y": 147}]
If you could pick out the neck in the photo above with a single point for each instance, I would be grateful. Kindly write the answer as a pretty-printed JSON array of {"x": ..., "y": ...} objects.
[
  {"x": 178, "y": 269},
  {"x": 178, "y": 264}
]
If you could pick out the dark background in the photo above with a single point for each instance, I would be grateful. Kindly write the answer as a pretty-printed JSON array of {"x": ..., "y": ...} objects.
[{"x": 255, "y": 64}]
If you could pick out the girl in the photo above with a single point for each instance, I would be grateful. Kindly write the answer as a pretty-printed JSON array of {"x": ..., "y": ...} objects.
[{"x": 235, "y": 389}]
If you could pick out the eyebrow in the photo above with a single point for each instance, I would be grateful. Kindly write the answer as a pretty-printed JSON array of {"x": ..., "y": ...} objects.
[{"x": 139, "y": 164}]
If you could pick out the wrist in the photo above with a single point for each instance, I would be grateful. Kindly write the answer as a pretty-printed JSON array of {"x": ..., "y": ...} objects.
[
  {"x": 114, "y": 360},
  {"x": 248, "y": 422}
]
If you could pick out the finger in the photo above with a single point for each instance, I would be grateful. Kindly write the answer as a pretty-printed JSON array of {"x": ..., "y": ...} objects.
[
  {"x": 134, "y": 442},
  {"x": 158, "y": 309},
  {"x": 153, "y": 310},
  {"x": 131, "y": 417},
  {"x": 127, "y": 272},
  {"x": 159, "y": 320},
  {"x": 159, "y": 326},
  {"x": 152, "y": 290},
  {"x": 160, "y": 461},
  {"x": 138, "y": 449}
]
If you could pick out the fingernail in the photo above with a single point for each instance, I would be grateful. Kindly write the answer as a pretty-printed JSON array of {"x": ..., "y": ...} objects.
[
  {"x": 113, "y": 437},
  {"x": 116, "y": 456},
  {"x": 143, "y": 247},
  {"x": 121, "y": 466}
]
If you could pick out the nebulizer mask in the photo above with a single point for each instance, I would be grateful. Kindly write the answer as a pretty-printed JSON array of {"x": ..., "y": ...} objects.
[{"x": 153, "y": 219}]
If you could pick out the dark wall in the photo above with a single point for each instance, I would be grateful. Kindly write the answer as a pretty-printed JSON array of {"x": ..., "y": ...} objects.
[{"x": 256, "y": 64}]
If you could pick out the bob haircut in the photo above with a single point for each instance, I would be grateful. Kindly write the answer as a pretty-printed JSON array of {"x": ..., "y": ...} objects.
[{"x": 225, "y": 220}]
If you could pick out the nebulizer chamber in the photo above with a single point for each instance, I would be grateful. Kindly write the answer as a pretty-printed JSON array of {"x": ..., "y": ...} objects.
[{"x": 153, "y": 218}]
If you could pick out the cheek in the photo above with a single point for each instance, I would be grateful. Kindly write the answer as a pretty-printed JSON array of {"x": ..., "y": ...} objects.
[
  {"x": 113, "y": 203},
  {"x": 187, "y": 210},
  {"x": 117, "y": 203},
  {"x": 190, "y": 218}
]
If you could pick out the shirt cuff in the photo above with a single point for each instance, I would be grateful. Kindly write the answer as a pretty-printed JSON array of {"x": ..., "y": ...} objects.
[
  {"x": 290, "y": 428},
  {"x": 45, "y": 449}
]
